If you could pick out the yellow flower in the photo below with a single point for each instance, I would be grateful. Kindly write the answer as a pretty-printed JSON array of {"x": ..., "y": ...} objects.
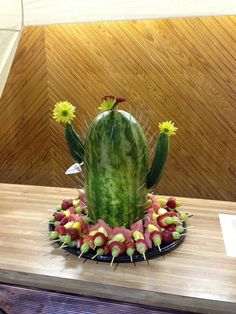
[
  {"x": 63, "y": 112},
  {"x": 167, "y": 127},
  {"x": 107, "y": 104}
]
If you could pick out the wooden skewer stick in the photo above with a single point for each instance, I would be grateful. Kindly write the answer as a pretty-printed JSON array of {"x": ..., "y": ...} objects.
[
  {"x": 112, "y": 260},
  {"x": 184, "y": 234},
  {"x": 62, "y": 246},
  {"x": 159, "y": 248},
  {"x": 94, "y": 256},
  {"x": 144, "y": 256},
  {"x": 80, "y": 255},
  {"x": 52, "y": 241},
  {"x": 45, "y": 221}
]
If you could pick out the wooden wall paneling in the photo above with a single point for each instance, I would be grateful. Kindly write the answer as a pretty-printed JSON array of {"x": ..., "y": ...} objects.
[{"x": 24, "y": 119}]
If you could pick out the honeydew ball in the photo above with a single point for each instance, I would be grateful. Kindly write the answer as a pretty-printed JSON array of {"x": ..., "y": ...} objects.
[
  {"x": 179, "y": 229},
  {"x": 58, "y": 208},
  {"x": 175, "y": 235},
  {"x": 56, "y": 223},
  {"x": 54, "y": 235},
  {"x": 168, "y": 220}
]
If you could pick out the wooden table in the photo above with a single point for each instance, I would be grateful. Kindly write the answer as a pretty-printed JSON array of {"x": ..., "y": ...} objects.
[{"x": 197, "y": 276}]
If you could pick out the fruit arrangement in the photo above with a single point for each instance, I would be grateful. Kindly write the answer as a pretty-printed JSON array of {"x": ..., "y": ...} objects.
[
  {"x": 115, "y": 214},
  {"x": 162, "y": 225}
]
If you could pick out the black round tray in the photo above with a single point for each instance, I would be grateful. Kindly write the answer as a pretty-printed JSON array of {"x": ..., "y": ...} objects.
[{"x": 151, "y": 253}]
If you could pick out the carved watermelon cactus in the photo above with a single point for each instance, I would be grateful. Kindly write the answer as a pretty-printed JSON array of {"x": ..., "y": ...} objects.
[{"x": 115, "y": 158}]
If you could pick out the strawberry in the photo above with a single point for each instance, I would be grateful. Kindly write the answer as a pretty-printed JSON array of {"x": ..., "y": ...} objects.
[
  {"x": 61, "y": 230},
  {"x": 64, "y": 221},
  {"x": 171, "y": 228},
  {"x": 173, "y": 214},
  {"x": 74, "y": 233},
  {"x": 107, "y": 249}
]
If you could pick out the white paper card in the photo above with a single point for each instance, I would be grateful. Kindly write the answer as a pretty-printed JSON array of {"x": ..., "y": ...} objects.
[
  {"x": 76, "y": 168},
  {"x": 228, "y": 227}
]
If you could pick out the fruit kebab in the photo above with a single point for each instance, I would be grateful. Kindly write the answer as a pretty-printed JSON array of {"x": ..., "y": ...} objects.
[
  {"x": 130, "y": 249},
  {"x": 117, "y": 248},
  {"x": 87, "y": 244}
]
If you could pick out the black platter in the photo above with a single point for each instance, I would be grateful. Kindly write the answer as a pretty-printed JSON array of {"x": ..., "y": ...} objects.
[{"x": 151, "y": 253}]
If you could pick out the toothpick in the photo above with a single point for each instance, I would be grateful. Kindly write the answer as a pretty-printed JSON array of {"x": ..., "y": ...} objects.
[
  {"x": 80, "y": 255},
  {"x": 131, "y": 258},
  {"x": 52, "y": 241},
  {"x": 63, "y": 246},
  {"x": 144, "y": 256},
  {"x": 112, "y": 260},
  {"x": 94, "y": 256},
  {"x": 159, "y": 248},
  {"x": 45, "y": 221}
]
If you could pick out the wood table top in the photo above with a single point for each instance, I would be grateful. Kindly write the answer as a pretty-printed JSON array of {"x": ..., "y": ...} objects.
[{"x": 197, "y": 276}]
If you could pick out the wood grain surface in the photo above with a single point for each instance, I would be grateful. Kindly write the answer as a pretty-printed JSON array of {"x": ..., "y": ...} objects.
[
  {"x": 197, "y": 276},
  {"x": 175, "y": 69}
]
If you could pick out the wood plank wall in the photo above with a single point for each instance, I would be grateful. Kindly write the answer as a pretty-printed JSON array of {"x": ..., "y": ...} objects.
[
  {"x": 179, "y": 69},
  {"x": 24, "y": 118}
]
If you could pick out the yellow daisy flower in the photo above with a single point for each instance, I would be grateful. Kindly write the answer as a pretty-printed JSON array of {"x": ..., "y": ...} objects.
[
  {"x": 168, "y": 128},
  {"x": 107, "y": 104},
  {"x": 63, "y": 112}
]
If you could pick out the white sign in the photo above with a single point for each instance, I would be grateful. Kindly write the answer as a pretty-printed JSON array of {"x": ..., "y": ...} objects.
[{"x": 228, "y": 227}]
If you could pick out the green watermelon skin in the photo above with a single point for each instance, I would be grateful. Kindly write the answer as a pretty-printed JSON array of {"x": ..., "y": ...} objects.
[{"x": 116, "y": 166}]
